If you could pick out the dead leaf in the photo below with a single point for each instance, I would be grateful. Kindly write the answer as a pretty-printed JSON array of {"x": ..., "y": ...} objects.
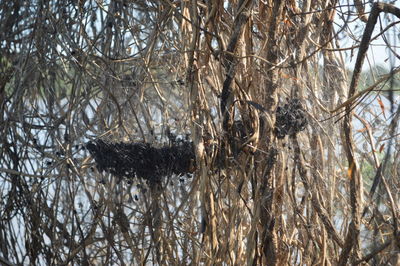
[
  {"x": 382, "y": 106},
  {"x": 350, "y": 170},
  {"x": 362, "y": 130},
  {"x": 381, "y": 148}
]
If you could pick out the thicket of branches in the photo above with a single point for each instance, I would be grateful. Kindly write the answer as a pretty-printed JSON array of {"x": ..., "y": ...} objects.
[{"x": 268, "y": 183}]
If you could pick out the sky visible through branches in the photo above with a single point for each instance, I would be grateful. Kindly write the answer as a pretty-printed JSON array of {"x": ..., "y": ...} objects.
[{"x": 199, "y": 132}]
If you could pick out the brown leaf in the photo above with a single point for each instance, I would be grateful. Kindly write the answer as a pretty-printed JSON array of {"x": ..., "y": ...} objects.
[
  {"x": 382, "y": 106},
  {"x": 381, "y": 148},
  {"x": 350, "y": 170}
]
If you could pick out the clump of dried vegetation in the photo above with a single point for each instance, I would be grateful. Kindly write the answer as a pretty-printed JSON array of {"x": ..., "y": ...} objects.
[
  {"x": 140, "y": 160},
  {"x": 197, "y": 132}
]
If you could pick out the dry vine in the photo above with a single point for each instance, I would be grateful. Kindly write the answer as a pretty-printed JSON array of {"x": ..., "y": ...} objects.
[{"x": 197, "y": 132}]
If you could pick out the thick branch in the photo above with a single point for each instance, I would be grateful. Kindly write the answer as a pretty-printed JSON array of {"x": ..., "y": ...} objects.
[
  {"x": 354, "y": 227},
  {"x": 229, "y": 63}
]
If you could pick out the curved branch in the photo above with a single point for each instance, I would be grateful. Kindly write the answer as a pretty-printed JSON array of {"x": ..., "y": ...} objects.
[{"x": 352, "y": 238}]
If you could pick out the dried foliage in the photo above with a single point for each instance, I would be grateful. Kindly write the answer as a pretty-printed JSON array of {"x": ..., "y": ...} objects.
[
  {"x": 290, "y": 119},
  {"x": 140, "y": 160},
  {"x": 198, "y": 132}
]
